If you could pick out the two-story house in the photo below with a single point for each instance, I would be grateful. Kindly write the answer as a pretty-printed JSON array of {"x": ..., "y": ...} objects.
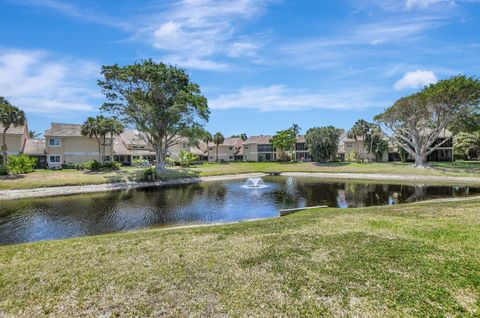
[
  {"x": 65, "y": 144},
  {"x": 15, "y": 139}
]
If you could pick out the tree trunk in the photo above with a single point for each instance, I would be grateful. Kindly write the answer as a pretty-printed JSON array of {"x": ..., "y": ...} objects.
[
  {"x": 104, "y": 147},
  {"x": 112, "y": 152},
  {"x": 160, "y": 154},
  {"x": 99, "y": 150},
  {"x": 216, "y": 151},
  {"x": 4, "y": 148},
  {"x": 419, "y": 162}
]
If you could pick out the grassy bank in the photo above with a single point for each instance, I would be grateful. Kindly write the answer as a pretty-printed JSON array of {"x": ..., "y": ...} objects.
[
  {"x": 47, "y": 178},
  {"x": 410, "y": 260}
]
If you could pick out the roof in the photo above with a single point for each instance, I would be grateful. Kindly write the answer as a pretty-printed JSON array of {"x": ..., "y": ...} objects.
[
  {"x": 196, "y": 151},
  {"x": 133, "y": 137},
  {"x": 35, "y": 147},
  {"x": 14, "y": 130},
  {"x": 64, "y": 130},
  {"x": 301, "y": 139},
  {"x": 232, "y": 142},
  {"x": 262, "y": 139}
]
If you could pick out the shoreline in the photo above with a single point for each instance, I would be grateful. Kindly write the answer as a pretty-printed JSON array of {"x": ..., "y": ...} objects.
[{"x": 105, "y": 187}]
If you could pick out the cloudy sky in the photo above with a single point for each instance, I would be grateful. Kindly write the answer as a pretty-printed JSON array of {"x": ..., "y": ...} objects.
[{"x": 263, "y": 64}]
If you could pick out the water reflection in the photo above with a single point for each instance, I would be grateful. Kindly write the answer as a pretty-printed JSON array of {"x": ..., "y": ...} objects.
[{"x": 72, "y": 216}]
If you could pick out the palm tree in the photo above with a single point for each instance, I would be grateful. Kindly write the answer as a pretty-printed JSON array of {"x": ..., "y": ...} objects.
[
  {"x": 207, "y": 137},
  {"x": 218, "y": 139},
  {"x": 32, "y": 134},
  {"x": 468, "y": 143},
  {"x": 114, "y": 127},
  {"x": 92, "y": 128},
  {"x": 9, "y": 116},
  {"x": 360, "y": 129},
  {"x": 296, "y": 130}
]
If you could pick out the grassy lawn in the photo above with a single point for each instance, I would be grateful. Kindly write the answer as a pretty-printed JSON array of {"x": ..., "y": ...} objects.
[
  {"x": 47, "y": 178},
  {"x": 411, "y": 260}
]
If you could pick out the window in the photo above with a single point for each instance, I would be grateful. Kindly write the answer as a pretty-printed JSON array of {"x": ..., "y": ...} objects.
[
  {"x": 54, "y": 159},
  {"x": 231, "y": 157},
  {"x": 136, "y": 157},
  {"x": 230, "y": 148},
  {"x": 210, "y": 148},
  {"x": 265, "y": 148},
  {"x": 54, "y": 142},
  {"x": 245, "y": 147}
]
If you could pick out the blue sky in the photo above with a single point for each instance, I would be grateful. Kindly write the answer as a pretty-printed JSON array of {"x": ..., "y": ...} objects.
[{"x": 262, "y": 64}]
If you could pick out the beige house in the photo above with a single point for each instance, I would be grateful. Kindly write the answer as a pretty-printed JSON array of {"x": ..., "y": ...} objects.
[
  {"x": 132, "y": 145},
  {"x": 65, "y": 144},
  {"x": 259, "y": 148},
  {"x": 229, "y": 150},
  {"x": 15, "y": 139}
]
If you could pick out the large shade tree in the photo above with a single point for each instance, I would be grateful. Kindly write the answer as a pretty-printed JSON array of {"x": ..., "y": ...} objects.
[
  {"x": 157, "y": 99},
  {"x": 10, "y": 116},
  {"x": 416, "y": 122},
  {"x": 323, "y": 142}
]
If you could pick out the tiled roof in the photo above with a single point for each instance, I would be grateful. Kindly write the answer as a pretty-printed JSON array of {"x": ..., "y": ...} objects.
[
  {"x": 12, "y": 130},
  {"x": 64, "y": 130},
  {"x": 232, "y": 142},
  {"x": 262, "y": 139},
  {"x": 35, "y": 147},
  {"x": 133, "y": 137}
]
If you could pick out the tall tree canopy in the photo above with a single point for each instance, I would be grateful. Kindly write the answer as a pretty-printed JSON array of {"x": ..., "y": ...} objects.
[
  {"x": 359, "y": 131},
  {"x": 283, "y": 141},
  {"x": 93, "y": 127},
  {"x": 10, "y": 116},
  {"x": 323, "y": 142},
  {"x": 417, "y": 121},
  {"x": 158, "y": 99}
]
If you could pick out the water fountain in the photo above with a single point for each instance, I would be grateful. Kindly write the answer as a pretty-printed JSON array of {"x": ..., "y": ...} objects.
[{"x": 254, "y": 183}]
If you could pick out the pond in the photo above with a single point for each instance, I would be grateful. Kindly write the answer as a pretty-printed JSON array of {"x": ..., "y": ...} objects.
[{"x": 209, "y": 202}]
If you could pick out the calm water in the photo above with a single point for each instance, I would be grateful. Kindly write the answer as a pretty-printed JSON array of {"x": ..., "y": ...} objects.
[{"x": 210, "y": 202}]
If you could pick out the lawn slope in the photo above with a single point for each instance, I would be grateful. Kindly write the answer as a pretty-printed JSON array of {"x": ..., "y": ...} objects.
[{"x": 409, "y": 260}]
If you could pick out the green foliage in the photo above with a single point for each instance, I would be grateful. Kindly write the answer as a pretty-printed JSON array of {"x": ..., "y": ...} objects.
[
  {"x": 187, "y": 158},
  {"x": 3, "y": 170},
  {"x": 375, "y": 142},
  {"x": 323, "y": 142},
  {"x": 21, "y": 164},
  {"x": 149, "y": 174},
  {"x": 352, "y": 156},
  {"x": 10, "y": 116},
  {"x": 283, "y": 141},
  {"x": 158, "y": 99},
  {"x": 217, "y": 140},
  {"x": 99, "y": 127},
  {"x": 94, "y": 165},
  {"x": 416, "y": 121},
  {"x": 468, "y": 144}
]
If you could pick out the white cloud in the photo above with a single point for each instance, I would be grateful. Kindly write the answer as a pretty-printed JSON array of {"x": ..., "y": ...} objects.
[
  {"x": 422, "y": 4},
  {"x": 196, "y": 63},
  {"x": 37, "y": 81},
  {"x": 201, "y": 29},
  {"x": 417, "y": 79},
  {"x": 282, "y": 98}
]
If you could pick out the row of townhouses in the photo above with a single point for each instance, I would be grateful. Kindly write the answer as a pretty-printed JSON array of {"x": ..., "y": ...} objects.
[{"x": 64, "y": 144}]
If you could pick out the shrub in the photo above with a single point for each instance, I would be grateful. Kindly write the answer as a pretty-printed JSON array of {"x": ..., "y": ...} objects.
[
  {"x": 186, "y": 158},
  {"x": 94, "y": 165},
  {"x": 21, "y": 164},
  {"x": 3, "y": 170},
  {"x": 149, "y": 174}
]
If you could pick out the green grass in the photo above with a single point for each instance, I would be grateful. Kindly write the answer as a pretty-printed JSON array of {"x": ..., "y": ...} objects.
[
  {"x": 48, "y": 178},
  {"x": 417, "y": 260}
]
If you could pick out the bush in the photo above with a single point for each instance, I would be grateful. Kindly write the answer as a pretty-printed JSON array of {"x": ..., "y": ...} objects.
[
  {"x": 3, "y": 170},
  {"x": 21, "y": 164},
  {"x": 149, "y": 174},
  {"x": 186, "y": 158},
  {"x": 94, "y": 165}
]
